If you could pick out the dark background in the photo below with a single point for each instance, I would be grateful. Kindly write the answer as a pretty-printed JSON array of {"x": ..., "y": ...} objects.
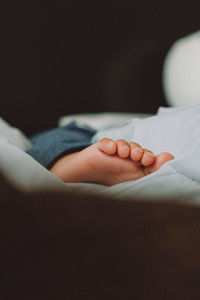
[{"x": 68, "y": 60}]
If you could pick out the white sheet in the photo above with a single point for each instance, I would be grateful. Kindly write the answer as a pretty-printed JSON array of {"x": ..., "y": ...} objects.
[
  {"x": 100, "y": 120},
  {"x": 13, "y": 135},
  {"x": 174, "y": 130}
]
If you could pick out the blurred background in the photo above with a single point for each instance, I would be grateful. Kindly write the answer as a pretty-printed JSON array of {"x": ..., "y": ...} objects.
[{"x": 75, "y": 60}]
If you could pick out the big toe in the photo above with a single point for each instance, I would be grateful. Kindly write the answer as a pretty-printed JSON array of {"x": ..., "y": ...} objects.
[
  {"x": 106, "y": 145},
  {"x": 160, "y": 160}
]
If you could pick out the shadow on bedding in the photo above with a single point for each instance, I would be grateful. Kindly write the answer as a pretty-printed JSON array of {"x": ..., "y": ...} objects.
[{"x": 56, "y": 245}]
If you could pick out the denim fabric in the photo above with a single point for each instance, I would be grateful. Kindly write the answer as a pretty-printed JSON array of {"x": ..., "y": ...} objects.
[{"x": 50, "y": 145}]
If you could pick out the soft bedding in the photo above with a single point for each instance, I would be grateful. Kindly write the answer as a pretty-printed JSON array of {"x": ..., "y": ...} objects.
[
  {"x": 175, "y": 130},
  {"x": 20, "y": 168}
]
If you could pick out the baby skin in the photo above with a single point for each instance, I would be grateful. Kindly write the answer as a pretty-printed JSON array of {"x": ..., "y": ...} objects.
[{"x": 109, "y": 162}]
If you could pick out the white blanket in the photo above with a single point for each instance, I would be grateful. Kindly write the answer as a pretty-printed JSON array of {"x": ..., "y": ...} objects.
[{"x": 174, "y": 130}]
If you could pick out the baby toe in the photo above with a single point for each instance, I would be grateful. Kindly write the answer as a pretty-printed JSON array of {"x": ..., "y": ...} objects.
[
  {"x": 108, "y": 146},
  {"x": 160, "y": 159},
  {"x": 136, "y": 151},
  {"x": 148, "y": 158},
  {"x": 123, "y": 149}
]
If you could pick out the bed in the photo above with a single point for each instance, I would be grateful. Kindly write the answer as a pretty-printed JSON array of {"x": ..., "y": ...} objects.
[
  {"x": 135, "y": 240},
  {"x": 95, "y": 240}
]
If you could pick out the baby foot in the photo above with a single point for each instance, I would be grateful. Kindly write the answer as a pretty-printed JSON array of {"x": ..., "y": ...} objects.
[{"x": 109, "y": 162}]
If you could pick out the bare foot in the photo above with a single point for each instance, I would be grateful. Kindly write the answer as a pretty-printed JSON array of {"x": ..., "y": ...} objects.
[{"x": 109, "y": 162}]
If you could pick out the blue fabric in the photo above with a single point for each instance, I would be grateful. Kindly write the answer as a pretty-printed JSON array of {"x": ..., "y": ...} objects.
[{"x": 50, "y": 145}]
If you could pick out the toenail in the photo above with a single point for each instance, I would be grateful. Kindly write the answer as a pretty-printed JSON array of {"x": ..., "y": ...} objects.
[
  {"x": 125, "y": 147},
  {"x": 150, "y": 153},
  {"x": 139, "y": 149},
  {"x": 111, "y": 143}
]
